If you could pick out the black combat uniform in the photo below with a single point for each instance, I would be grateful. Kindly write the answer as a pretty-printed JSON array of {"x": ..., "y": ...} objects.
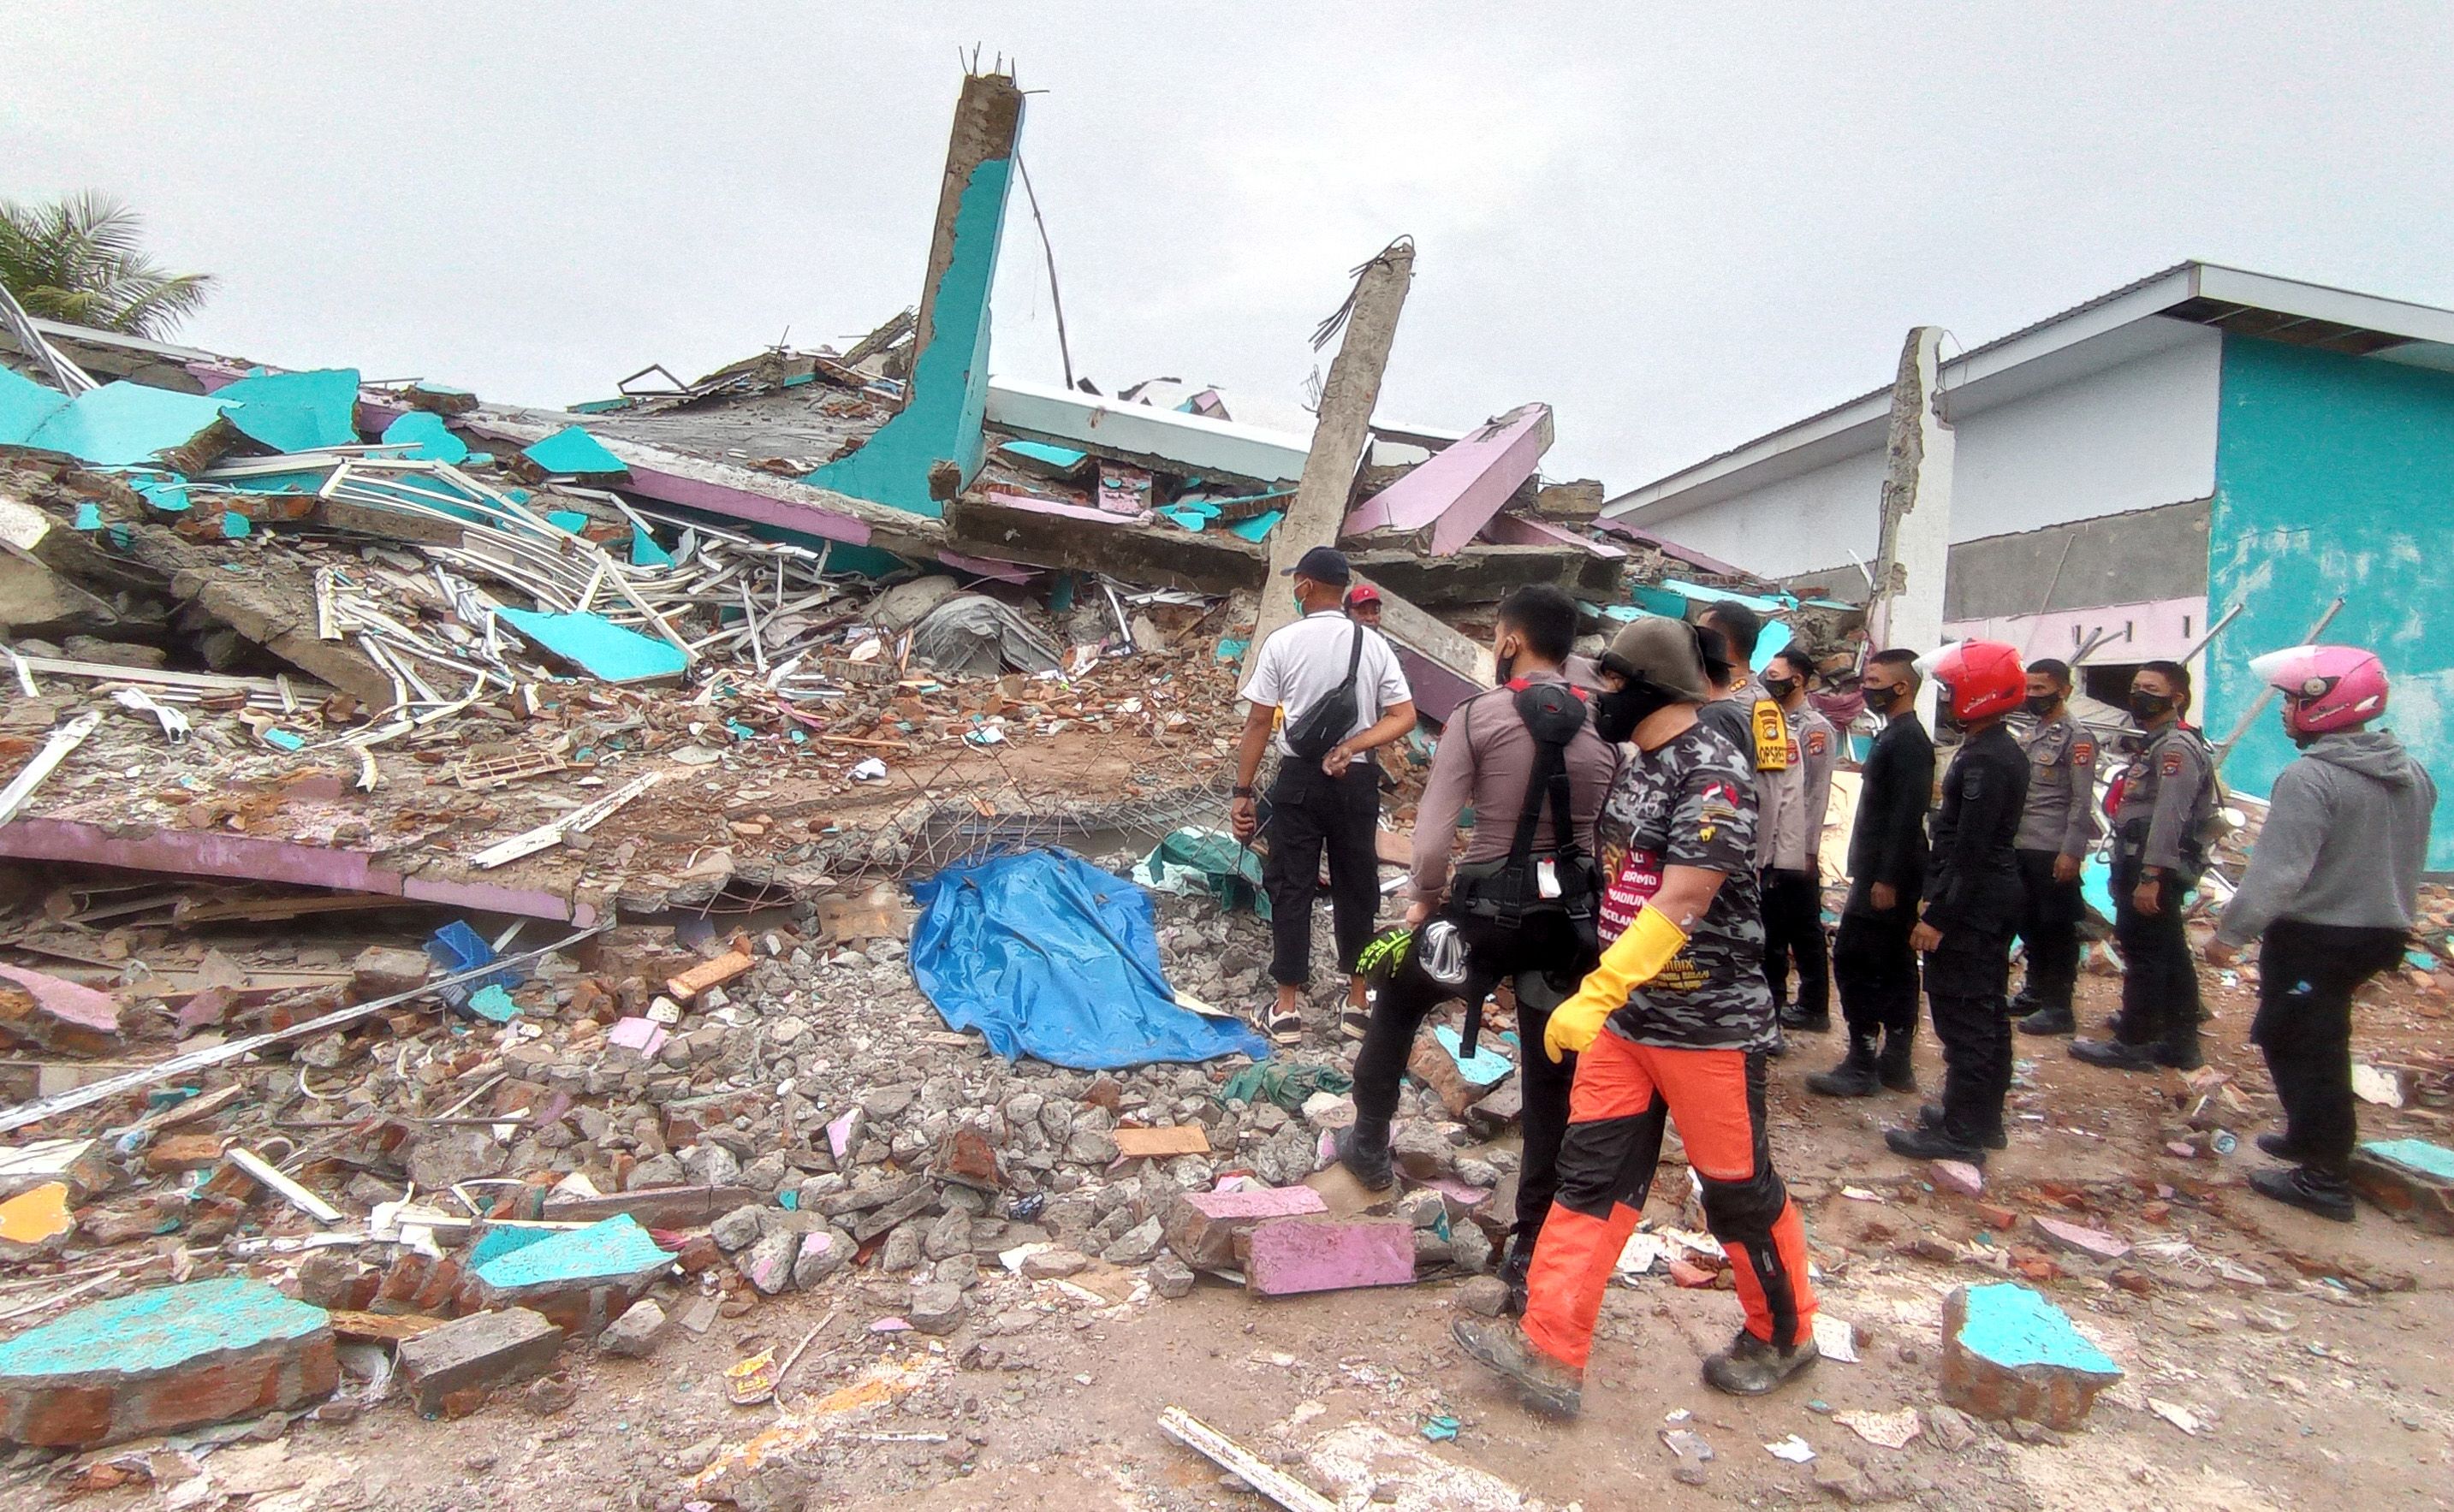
[
  {"x": 1872, "y": 963},
  {"x": 1973, "y": 895}
]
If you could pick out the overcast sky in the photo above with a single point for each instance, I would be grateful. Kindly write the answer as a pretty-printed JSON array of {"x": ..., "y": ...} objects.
[{"x": 1680, "y": 230}]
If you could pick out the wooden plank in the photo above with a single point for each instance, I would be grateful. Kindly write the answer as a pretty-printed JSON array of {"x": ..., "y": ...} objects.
[
  {"x": 296, "y": 1196},
  {"x": 708, "y": 974},
  {"x": 1244, "y": 1463},
  {"x": 1184, "y": 1138}
]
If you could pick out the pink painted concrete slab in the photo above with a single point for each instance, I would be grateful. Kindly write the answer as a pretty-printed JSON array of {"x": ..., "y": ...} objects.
[
  {"x": 1257, "y": 1201},
  {"x": 2160, "y": 629},
  {"x": 1291, "y": 1256},
  {"x": 1521, "y": 529},
  {"x": 1463, "y": 484},
  {"x": 70, "y": 1003}
]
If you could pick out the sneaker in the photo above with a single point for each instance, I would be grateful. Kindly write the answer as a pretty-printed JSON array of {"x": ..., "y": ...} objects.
[
  {"x": 1545, "y": 1384},
  {"x": 2049, "y": 1021},
  {"x": 2115, "y": 1055},
  {"x": 1924, "y": 1144},
  {"x": 2300, "y": 1187},
  {"x": 1752, "y": 1367},
  {"x": 1930, "y": 1116}
]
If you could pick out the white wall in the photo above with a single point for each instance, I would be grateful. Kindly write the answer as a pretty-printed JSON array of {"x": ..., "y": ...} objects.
[
  {"x": 2128, "y": 437},
  {"x": 2131, "y": 435}
]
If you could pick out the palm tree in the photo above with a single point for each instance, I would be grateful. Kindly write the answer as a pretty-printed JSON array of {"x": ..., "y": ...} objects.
[{"x": 82, "y": 261}]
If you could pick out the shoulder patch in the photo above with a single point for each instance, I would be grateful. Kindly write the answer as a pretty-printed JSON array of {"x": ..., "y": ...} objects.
[
  {"x": 2082, "y": 751},
  {"x": 2171, "y": 764},
  {"x": 1818, "y": 742}
]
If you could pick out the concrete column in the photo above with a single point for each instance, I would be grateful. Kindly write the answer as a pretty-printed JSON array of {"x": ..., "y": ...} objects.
[
  {"x": 1907, "y": 606},
  {"x": 1340, "y": 432}
]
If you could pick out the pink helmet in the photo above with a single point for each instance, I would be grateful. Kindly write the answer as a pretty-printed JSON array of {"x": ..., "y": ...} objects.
[{"x": 2324, "y": 687}]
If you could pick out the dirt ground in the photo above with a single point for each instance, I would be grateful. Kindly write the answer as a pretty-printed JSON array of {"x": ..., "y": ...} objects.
[{"x": 2324, "y": 1382}]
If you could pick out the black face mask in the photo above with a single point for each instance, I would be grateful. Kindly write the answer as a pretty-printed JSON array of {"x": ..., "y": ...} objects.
[
  {"x": 1505, "y": 667},
  {"x": 1617, "y": 714},
  {"x": 2041, "y": 705},
  {"x": 1880, "y": 700},
  {"x": 2145, "y": 707},
  {"x": 1776, "y": 690}
]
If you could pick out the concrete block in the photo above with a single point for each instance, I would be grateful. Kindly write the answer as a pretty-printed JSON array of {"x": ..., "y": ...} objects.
[
  {"x": 2411, "y": 1179},
  {"x": 1170, "y": 1277},
  {"x": 476, "y": 1353},
  {"x": 160, "y": 1361},
  {"x": 820, "y": 1255},
  {"x": 1285, "y": 1257},
  {"x": 2009, "y": 1353},
  {"x": 2081, "y": 1240},
  {"x": 937, "y": 1307},
  {"x": 580, "y": 1280},
  {"x": 1958, "y": 1176},
  {"x": 1345, "y": 1197},
  {"x": 1202, "y": 1226},
  {"x": 768, "y": 1264},
  {"x": 636, "y": 1333},
  {"x": 381, "y": 971}
]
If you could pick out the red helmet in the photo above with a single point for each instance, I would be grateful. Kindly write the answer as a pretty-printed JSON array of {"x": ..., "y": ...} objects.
[
  {"x": 1985, "y": 677},
  {"x": 2324, "y": 687}
]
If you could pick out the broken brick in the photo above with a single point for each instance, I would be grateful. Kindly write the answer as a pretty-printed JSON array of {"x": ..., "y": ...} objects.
[
  {"x": 1202, "y": 1227},
  {"x": 476, "y": 1354},
  {"x": 1286, "y": 1257},
  {"x": 174, "y": 1153},
  {"x": 57, "y": 1017},
  {"x": 384, "y": 971},
  {"x": 708, "y": 974},
  {"x": 2080, "y": 1239},
  {"x": 967, "y": 1157},
  {"x": 159, "y": 1361}
]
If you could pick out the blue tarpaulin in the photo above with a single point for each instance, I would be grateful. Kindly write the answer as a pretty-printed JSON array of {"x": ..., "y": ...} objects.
[{"x": 1051, "y": 957}]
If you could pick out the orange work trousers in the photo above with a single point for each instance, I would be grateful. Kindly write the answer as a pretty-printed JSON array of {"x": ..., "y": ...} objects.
[{"x": 1623, "y": 1092}]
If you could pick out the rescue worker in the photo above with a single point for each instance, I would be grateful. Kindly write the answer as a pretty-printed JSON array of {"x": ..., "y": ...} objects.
[
  {"x": 1323, "y": 671},
  {"x": 1873, "y": 963},
  {"x": 1527, "y": 760},
  {"x": 2331, "y": 893},
  {"x": 1363, "y": 606},
  {"x": 1743, "y": 711},
  {"x": 1972, "y": 903},
  {"x": 1792, "y": 879},
  {"x": 2167, "y": 797},
  {"x": 1672, "y": 1023},
  {"x": 2057, "y": 829}
]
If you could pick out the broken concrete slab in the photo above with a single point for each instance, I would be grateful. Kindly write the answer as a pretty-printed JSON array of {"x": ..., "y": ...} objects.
[
  {"x": 572, "y": 452},
  {"x": 2409, "y": 1178},
  {"x": 38, "y": 601},
  {"x": 378, "y": 971},
  {"x": 1286, "y": 1257},
  {"x": 2081, "y": 1240},
  {"x": 295, "y": 411},
  {"x": 42, "y": 1012},
  {"x": 580, "y": 1280},
  {"x": 126, "y": 423},
  {"x": 2009, "y": 1353},
  {"x": 163, "y": 1359},
  {"x": 597, "y": 645},
  {"x": 1455, "y": 494},
  {"x": 83, "y": 1164},
  {"x": 1202, "y": 1227},
  {"x": 469, "y": 1356}
]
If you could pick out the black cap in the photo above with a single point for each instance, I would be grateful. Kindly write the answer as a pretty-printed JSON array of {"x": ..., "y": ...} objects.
[{"x": 1323, "y": 564}]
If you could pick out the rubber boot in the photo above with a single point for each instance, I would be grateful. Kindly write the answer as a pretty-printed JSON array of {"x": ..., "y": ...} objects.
[
  {"x": 1752, "y": 1367},
  {"x": 1893, "y": 1067},
  {"x": 1365, "y": 1151},
  {"x": 1855, "y": 1076},
  {"x": 2309, "y": 1189}
]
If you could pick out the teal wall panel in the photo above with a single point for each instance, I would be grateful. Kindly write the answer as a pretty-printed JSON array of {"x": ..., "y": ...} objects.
[{"x": 2335, "y": 476}]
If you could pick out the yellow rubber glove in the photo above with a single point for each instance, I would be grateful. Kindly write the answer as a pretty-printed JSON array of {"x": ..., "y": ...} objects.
[{"x": 1634, "y": 959}]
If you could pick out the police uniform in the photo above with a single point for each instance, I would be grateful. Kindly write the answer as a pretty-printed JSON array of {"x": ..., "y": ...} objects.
[
  {"x": 1973, "y": 896},
  {"x": 2058, "y": 820},
  {"x": 1688, "y": 1043},
  {"x": 2168, "y": 796},
  {"x": 1793, "y": 880}
]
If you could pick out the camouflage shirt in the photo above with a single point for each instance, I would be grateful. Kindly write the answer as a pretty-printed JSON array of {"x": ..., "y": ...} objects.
[{"x": 1692, "y": 802}]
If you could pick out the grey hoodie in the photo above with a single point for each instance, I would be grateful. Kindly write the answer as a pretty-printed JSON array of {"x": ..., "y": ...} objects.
[{"x": 2345, "y": 838}]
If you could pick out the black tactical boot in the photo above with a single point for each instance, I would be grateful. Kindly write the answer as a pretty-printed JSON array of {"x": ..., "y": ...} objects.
[
  {"x": 1926, "y": 1142},
  {"x": 1930, "y": 1116},
  {"x": 2279, "y": 1144},
  {"x": 2049, "y": 1020},
  {"x": 1893, "y": 1067},
  {"x": 1365, "y": 1151},
  {"x": 1793, "y": 1017},
  {"x": 2115, "y": 1055},
  {"x": 1752, "y": 1367},
  {"x": 1855, "y": 1076},
  {"x": 2308, "y": 1188}
]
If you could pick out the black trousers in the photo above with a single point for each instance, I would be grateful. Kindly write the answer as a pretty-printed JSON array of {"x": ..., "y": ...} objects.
[
  {"x": 1310, "y": 811},
  {"x": 1547, "y": 943},
  {"x": 1965, "y": 978},
  {"x": 2159, "y": 981},
  {"x": 2049, "y": 930},
  {"x": 1877, "y": 972},
  {"x": 1793, "y": 916},
  {"x": 2306, "y": 976}
]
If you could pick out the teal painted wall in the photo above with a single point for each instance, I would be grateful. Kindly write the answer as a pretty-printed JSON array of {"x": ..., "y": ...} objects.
[
  {"x": 2335, "y": 475},
  {"x": 950, "y": 377}
]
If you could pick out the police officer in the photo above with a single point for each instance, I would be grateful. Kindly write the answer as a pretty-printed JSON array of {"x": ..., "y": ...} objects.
[
  {"x": 2057, "y": 829},
  {"x": 1327, "y": 794},
  {"x": 1520, "y": 900},
  {"x": 1873, "y": 963},
  {"x": 2167, "y": 797},
  {"x": 1972, "y": 902},
  {"x": 1792, "y": 879}
]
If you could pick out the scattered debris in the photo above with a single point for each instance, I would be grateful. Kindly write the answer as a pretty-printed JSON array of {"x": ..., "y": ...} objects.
[{"x": 2009, "y": 1353}]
